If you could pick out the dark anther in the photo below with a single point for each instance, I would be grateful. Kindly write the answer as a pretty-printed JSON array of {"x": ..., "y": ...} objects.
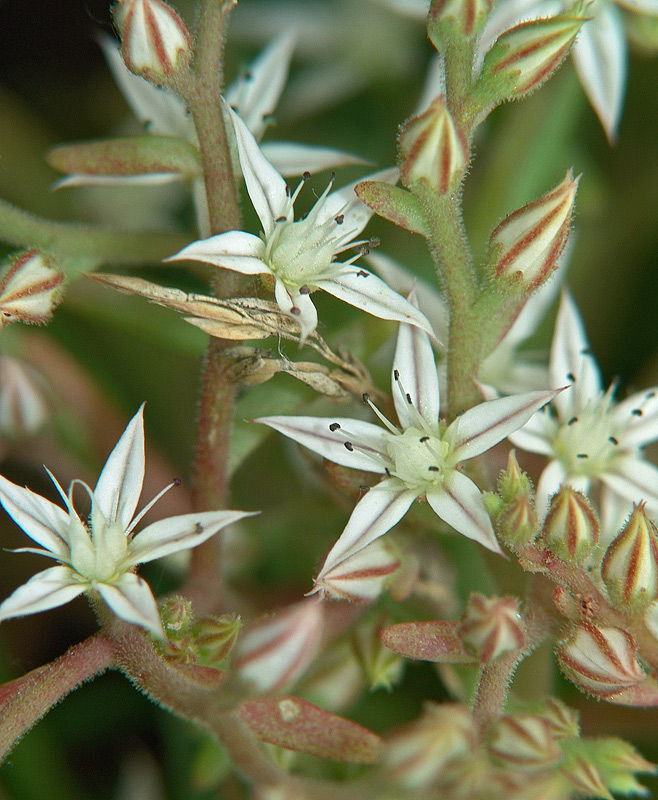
[
  {"x": 177, "y": 482},
  {"x": 362, "y": 274},
  {"x": 424, "y": 439},
  {"x": 572, "y": 420},
  {"x": 396, "y": 375},
  {"x": 334, "y": 426},
  {"x": 364, "y": 250},
  {"x": 387, "y": 471},
  {"x": 570, "y": 377},
  {"x": 636, "y": 412},
  {"x": 306, "y": 176},
  {"x": 409, "y": 400},
  {"x": 287, "y": 190},
  {"x": 296, "y": 311},
  {"x": 433, "y": 469},
  {"x": 339, "y": 219},
  {"x": 582, "y": 455},
  {"x": 304, "y": 289},
  {"x": 349, "y": 446},
  {"x": 198, "y": 527},
  {"x": 333, "y": 176},
  {"x": 613, "y": 440},
  {"x": 366, "y": 397},
  {"x": 374, "y": 241}
]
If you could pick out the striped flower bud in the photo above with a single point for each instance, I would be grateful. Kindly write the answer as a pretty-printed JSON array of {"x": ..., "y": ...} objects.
[
  {"x": 362, "y": 577},
  {"x": 562, "y": 719},
  {"x": 526, "y": 741},
  {"x": 524, "y": 248},
  {"x": 275, "y": 651},
  {"x": 571, "y": 529},
  {"x": 30, "y": 288},
  {"x": 526, "y": 56},
  {"x": 586, "y": 778},
  {"x": 600, "y": 661},
  {"x": 155, "y": 43},
  {"x": 491, "y": 626},
  {"x": 215, "y": 637},
  {"x": 419, "y": 754},
  {"x": 433, "y": 150},
  {"x": 630, "y": 564}
]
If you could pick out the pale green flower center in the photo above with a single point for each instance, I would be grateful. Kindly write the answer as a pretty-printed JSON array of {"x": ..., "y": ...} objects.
[
  {"x": 97, "y": 554},
  {"x": 586, "y": 444},
  {"x": 302, "y": 252},
  {"x": 418, "y": 458}
]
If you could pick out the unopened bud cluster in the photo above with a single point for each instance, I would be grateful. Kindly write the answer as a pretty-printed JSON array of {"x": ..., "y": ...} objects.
[
  {"x": 207, "y": 641},
  {"x": 516, "y": 518}
]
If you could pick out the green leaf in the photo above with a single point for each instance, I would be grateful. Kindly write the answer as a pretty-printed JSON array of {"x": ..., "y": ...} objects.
[{"x": 394, "y": 204}]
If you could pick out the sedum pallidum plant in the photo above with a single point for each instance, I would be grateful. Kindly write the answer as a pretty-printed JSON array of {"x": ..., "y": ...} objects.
[{"x": 437, "y": 567}]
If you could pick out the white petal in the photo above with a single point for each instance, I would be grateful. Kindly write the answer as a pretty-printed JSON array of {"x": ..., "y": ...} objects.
[
  {"x": 458, "y": 501},
  {"x": 345, "y": 201},
  {"x": 634, "y": 479},
  {"x": 600, "y": 56},
  {"x": 235, "y": 250},
  {"x": 42, "y": 521},
  {"x": 435, "y": 83},
  {"x": 48, "y": 589},
  {"x": 160, "y": 109},
  {"x": 571, "y": 361},
  {"x": 298, "y": 306},
  {"x": 120, "y": 483},
  {"x": 368, "y": 440},
  {"x": 615, "y": 510},
  {"x": 553, "y": 476},
  {"x": 537, "y": 435},
  {"x": 636, "y": 419},
  {"x": 150, "y": 179},
  {"x": 290, "y": 158},
  {"x": 417, "y": 378},
  {"x": 131, "y": 599},
  {"x": 268, "y": 191},
  {"x": 366, "y": 291},
  {"x": 483, "y": 426},
  {"x": 254, "y": 95},
  {"x": 649, "y": 7},
  {"x": 430, "y": 300},
  {"x": 179, "y": 533},
  {"x": 535, "y": 309},
  {"x": 376, "y": 513}
]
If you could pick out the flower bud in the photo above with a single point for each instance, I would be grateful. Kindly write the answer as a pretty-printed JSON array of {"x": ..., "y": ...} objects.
[
  {"x": 433, "y": 150},
  {"x": 491, "y": 626},
  {"x": 562, "y": 719},
  {"x": 600, "y": 661},
  {"x": 214, "y": 638},
  {"x": 419, "y": 754},
  {"x": 155, "y": 43},
  {"x": 516, "y": 520},
  {"x": 525, "y": 741},
  {"x": 571, "y": 529},
  {"x": 449, "y": 19},
  {"x": 177, "y": 615},
  {"x": 630, "y": 565},
  {"x": 525, "y": 247},
  {"x": 24, "y": 402},
  {"x": 586, "y": 778},
  {"x": 275, "y": 651},
  {"x": 526, "y": 56},
  {"x": 362, "y": 577},
  {"x": 29, "y": 289}
]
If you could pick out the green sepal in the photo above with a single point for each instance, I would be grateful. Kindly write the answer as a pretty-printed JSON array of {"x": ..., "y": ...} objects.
[
  {"x": 132, "y": 155},
  {"x": 394, "y": 204}
]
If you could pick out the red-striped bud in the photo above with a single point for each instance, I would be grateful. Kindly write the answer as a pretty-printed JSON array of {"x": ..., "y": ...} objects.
[
  {"x": 630, "y": 564},
  {"x": 491, "y": 626},
  {"x": 362, "y": 577},
  {"x": 525, "y": 247},
  {"x": 571, "y": 529},
  {"x": 600, "y": 661},
  {"x": 433, "y": 150},
  {"x": 526, "y": 741},
  {"x": 586, "y": 778},
  {"x": 155, "y": 43},
  {"x": 30, "y": 288}
]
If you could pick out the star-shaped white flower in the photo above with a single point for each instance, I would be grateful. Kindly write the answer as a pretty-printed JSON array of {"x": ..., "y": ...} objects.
[
  {"x": 420, "y": 458},
  {"x": 100, "y": 553},
  {"x": 300, "y": 254},
  {"x": 600, "y": 53},
  {"x": 586, "y": 436}
]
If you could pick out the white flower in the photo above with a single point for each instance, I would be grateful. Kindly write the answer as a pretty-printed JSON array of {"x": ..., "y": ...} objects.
[
  {"x": 100, "y": 553},
  {"x": 586, "y": 436},
  {"x": 600, "y": 53},
  {"x": 421, "y": 458},
  {"x": 300, "y": 253}
]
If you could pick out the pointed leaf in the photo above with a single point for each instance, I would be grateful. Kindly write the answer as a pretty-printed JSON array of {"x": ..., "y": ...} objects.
[
  {"x": 298, "y": 725},
  {"x": 427, "y": 641},
  {"x": 394, "y": 204}
]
